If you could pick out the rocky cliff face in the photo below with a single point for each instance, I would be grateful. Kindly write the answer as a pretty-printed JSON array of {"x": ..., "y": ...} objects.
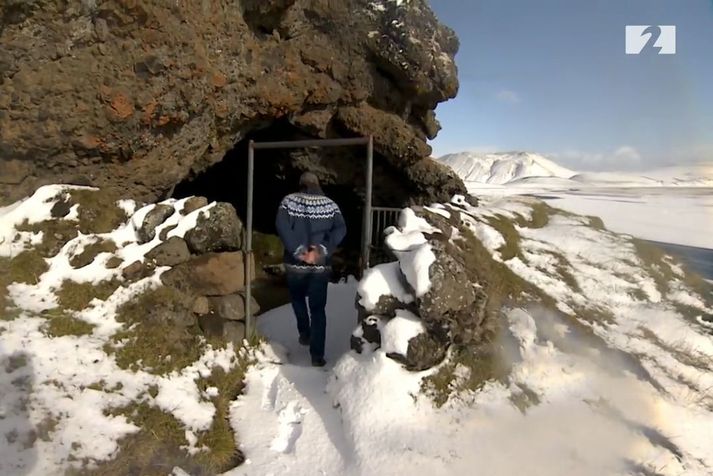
[{"x": 138, "y": 96}]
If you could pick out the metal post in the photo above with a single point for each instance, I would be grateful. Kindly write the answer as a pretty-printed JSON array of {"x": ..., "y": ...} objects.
[
  {"x": 366, "y": 232},
  {"x": 249, "y": 331}
]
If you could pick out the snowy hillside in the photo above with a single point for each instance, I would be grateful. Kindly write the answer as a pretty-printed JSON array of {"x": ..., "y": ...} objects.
[
  {"x": 502, "y": 167},
  {"x": 613, "y": 379},
  {"x": 529, "y": 170},
  {"x": 669, "y": 204},
  {"x": 602, "y": 362}
]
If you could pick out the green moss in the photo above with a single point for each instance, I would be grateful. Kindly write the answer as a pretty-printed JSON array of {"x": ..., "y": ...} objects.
[
  {"x": 55, "y": 234},
  {"x": 158, "y": 443},
  {"x": 540, "y": 216},
  {"x": 223, "y": 453},
  {"x": 7, "y": 311},
  {"x": 152, "y": 451},
  {"x": 149, "y": 342},
  {"x": 98, "y": 211},
  {"x": 65, "y": 325},
  {"x": 506, "y": 228},
  {"x": 77, "y": 296},
  {"x": 26, "y": 267},
  {"x": 481, "y": 365},
  {"x": 91, "y": 251}
]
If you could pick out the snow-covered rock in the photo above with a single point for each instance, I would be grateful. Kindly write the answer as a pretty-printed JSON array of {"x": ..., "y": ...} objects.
[{"x": 429, "y": 282}]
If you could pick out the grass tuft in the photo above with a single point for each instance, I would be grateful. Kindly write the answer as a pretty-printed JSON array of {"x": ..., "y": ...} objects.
[
  {"x": 466, "y": 370},
  {"x": 98, "y": 211},
  {"x": 540, "y": 216},
  {"x": 152, "y": 451},
  {"x": 156, "y": 448},
  {"x": 62, "y": 324},
  {"x": 77, "y": 296},
  {"x": 151, "y": 342},
  {"x": 506, "y": 228},
  {"x": 26, "y": 267},
  {"x": 55, "y": 234}
]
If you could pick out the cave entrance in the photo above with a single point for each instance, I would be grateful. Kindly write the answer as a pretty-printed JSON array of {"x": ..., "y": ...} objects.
[
  {"x": 302, "y": 144},
  {"x": 276, "y": 172}
]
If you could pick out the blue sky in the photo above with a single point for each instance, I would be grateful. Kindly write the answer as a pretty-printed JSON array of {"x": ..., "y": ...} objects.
[{"x": 552, "y": 76}]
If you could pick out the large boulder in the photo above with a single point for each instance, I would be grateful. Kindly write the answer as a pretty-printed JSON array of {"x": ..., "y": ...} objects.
[
  {"x": 217, "y": 229},
  {"x": 212, "y": 274},
  {"x": 112, "y": 94}
]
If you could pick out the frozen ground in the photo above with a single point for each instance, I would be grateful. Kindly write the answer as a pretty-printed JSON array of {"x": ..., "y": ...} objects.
[
  {"x": 669, "y": 205},
  {"x": 627, "y": 396},
  {"x": 676, "y": 215},
  {"x": 619, "y": 384}
]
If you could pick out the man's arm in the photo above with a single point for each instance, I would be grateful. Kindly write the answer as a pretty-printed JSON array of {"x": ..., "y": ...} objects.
[
  {"x": 284, "y": 224},
  {"x": 336, "y": 234}
]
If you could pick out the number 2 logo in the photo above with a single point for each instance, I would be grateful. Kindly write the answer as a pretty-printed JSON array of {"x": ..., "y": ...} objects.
[{"x": 659, "y": 38}]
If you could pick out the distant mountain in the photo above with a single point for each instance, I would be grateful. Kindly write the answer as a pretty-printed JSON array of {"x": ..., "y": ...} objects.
[
  {"x": 529, "y": 170},
  {"x": 499, "y": 168}
]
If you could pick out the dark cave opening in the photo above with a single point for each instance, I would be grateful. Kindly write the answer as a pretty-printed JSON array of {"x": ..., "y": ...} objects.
[{"x": 341, "y": 171}]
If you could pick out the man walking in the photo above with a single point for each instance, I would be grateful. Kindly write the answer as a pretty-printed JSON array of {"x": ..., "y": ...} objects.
[{"x": 310, "y": 226}]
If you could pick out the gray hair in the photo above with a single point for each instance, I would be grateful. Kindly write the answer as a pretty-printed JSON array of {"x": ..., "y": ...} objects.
[{"x": 309, "y": 180}]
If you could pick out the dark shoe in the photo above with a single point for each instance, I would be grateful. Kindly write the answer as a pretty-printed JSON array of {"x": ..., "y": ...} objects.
[
  {"x": 318, "y": 362},
  {"x": 304, "y": 339}
]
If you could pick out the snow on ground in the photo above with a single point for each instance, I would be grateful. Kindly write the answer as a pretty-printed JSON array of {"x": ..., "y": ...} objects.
[
  {"x": 625, "y": 394},
  {"x": 55, "y": 391},
  {"x": 668, "y": 215},
  {"x": 668, "y": 205},
  {"x": 618, "y": 384}
]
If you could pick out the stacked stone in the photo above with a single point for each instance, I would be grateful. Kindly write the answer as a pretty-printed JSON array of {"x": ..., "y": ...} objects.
[{"x": 207, "y": 265}]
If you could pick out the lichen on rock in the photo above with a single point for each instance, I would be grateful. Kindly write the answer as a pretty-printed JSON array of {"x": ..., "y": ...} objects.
[{"x": 329, "y": 69}]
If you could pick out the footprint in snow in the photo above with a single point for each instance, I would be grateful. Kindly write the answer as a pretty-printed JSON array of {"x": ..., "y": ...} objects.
[{"x": 290, "y": 421}]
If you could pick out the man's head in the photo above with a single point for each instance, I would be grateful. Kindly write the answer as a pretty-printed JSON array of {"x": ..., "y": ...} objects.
[{"x": 309, "y": 181}]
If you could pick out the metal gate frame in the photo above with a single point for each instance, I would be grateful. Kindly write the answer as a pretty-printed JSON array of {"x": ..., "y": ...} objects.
[{"x": 299, "y": 144}]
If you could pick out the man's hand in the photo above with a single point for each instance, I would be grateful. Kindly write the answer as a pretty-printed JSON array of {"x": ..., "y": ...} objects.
[{"x": 310, "y": 257}]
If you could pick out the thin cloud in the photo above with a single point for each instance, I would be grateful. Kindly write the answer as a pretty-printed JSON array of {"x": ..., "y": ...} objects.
[
  {"x": 507, "y": 96},
  {"x": 624, "y": 157}
]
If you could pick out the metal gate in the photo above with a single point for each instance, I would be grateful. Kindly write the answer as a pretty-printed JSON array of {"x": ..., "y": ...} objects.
[
  {"x": 298, "y": 144},
  {"x": 381, "y": 218}
]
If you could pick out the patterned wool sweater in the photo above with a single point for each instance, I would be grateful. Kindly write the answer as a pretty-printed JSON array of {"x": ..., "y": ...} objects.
[{"x": 309, "y": 219}]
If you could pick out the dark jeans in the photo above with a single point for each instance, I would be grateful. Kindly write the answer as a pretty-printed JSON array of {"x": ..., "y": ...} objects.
[{"x": 312, "y": 287}]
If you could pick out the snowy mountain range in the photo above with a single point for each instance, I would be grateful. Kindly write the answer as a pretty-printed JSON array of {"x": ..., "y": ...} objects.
[
  {"x": 499, "y": 168},
  {"x": 526, "y": 169}
]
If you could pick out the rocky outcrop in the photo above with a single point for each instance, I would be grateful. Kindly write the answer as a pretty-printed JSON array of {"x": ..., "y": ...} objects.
[
  {"x": 135, "y": 97},
  {"x": 435, "y": 282}
]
